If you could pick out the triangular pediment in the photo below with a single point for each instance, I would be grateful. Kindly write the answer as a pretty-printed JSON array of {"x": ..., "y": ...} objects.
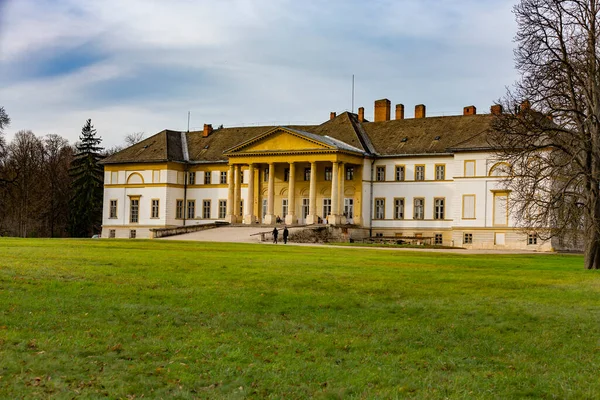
[{"x": 281, "y": 140}]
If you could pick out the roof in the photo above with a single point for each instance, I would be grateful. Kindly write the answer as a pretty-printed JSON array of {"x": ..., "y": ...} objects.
[
  {"x": 431, "y": 135},
  {"x": 162, "y": 147}
]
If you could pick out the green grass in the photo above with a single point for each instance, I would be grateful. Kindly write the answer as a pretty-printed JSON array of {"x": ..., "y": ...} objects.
[{"x": 162, "y": 319}]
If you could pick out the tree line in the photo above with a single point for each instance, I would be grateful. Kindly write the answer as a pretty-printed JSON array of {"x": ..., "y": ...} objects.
[{"x": 50, "y": 187}]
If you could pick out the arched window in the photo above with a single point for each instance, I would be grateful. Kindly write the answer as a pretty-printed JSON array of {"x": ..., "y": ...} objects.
[{"x": 500, "y": 169}]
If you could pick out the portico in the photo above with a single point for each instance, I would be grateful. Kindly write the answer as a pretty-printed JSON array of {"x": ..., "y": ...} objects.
[{"x": 284, "y": 178}]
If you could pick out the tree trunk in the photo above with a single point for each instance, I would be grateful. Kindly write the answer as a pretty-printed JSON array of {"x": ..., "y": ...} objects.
[{"x": 592, "y": 239}]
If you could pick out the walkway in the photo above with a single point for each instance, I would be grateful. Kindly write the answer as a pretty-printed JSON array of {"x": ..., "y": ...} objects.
[{"x": 239, "y": 234}]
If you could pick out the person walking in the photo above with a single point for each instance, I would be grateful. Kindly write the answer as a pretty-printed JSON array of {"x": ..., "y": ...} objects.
[
  {"x": 275, "y": 233},
  {"x": 285, "y": 234}
]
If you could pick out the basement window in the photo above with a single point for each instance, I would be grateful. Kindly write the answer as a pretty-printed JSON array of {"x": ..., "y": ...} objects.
[{"x": 532, "y": 239}]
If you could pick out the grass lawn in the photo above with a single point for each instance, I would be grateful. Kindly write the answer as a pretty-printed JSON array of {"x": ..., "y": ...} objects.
[{"x": 133, "y": 318}]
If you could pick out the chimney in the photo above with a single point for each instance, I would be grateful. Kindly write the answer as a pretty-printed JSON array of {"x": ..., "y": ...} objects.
[
  {"x": 207, "y": 130},
  {"x": 525, "y": 105},
  {"x": 399, "y": 111},
  {"x": 361, "y": 114},
  {"x": 420, "y": 111},
  {"x": 382, "y": 110},
  {"x": 496, "y": 109},
  {"x": 332, "y": 115},
  {"x": 470, "y": 110}
]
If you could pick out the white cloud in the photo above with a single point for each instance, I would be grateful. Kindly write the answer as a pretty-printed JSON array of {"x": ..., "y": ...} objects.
[{"x": 245, "y": 61}]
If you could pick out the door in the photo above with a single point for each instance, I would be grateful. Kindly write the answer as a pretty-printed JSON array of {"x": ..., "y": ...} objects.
[
  {"x": 304, "y": 211},
  {"x": 349, "y": 208}
]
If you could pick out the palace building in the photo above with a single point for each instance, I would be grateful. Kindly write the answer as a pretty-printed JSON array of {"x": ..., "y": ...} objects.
[{"x": 430, "y": 177}]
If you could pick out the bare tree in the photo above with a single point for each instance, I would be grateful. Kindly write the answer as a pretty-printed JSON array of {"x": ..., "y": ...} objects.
[
  {"x": 57, "y": 159},
  {"x": 25, "y": 159},
  {"x": 134, "y": 138},
  {"x": 550, "y": 132}
]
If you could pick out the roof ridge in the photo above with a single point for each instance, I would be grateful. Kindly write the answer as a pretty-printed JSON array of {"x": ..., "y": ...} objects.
[{"x": 360, "y": 133}]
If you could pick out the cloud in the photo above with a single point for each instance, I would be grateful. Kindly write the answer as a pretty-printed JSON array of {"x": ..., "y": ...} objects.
[{"x": 140, "y": 65}]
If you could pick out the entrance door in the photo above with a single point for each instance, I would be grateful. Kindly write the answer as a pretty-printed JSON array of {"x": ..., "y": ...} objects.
[
  {"x": 326, "y": 208},
  {"x": 304, "y": 211},
  {"x": 264, "y": 210},
  {"x": 349, "y": 208}
]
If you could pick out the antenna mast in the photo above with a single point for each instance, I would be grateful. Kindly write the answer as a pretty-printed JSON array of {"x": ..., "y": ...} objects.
[{"x": 188, "y": 122}]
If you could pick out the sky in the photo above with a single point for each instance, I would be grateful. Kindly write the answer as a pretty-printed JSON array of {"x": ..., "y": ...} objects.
[{"x": 142, "y": 65}]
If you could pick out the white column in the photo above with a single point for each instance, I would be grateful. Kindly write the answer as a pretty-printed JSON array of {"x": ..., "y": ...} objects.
[
  {"x": 290, "y": 218},
  {"x": 270, "y": 218},
  {"x": 250, "y": 218},
  {"x": 334, "y": 218},
  {"x": 230, "y": 217},
  {"x": 312, "y": 218},
  {"x": 335, "y": 195}
]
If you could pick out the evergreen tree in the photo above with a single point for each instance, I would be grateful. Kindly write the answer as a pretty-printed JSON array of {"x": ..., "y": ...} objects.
[{"x": 87, "y": 175}]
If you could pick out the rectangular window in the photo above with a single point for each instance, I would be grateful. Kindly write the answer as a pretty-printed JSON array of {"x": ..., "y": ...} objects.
[
  {"x": 327, "y": 173},
  {"x": 156, "y": 176},
  {"x": 222, "y": 208},
  {"x": 400, "y": 172},
  {"x": 419, "y": 172},
  {"x": 307, "y": 174},
  {"x": 349, "y": 173},
  {"x": 134, "y": 216},
  {"x": 326, "y": 207},
  {"x": 468, "y": 238},
  {"x": 398, "y": 208},
  {"x": 132, "y": 234},
  {"x": 379, "y": 208},
  {"x": 114, "y": 177},
  {"x": 468, "y": 206},
  {"x": 241, "y": 176},
  {"x": 440, "y": 172},
  {"x": 191, "y": 178},
  {"x": 286, "y": 175},
  {"x": 113, "y": 209},
  {"x": 284, "y": 207},
  {"x": 207, "y": 179},
  {"x": 155, "y": 207},
  {"x": 112, "y": 233},
  {"x": 438, "y": 239},
  {"x": 191, "y": 209},
  {"x": 500, "y": 209},
  {"x": 439, "y": 208},
  {"x": 380, "y": 174},
  {"x": 419, "y": 208},
  {"x": 266, "y": 175},
  {"x": 206, "y": 209},
  {"x": 241, "y": 208},
  {"x": 532, "y": 238},
  {"x": 469, "y": 167},
  {"x": 223, "y": 177},
  {"x": 264, "y": 207},
  {"x": 179, "y": 209}
]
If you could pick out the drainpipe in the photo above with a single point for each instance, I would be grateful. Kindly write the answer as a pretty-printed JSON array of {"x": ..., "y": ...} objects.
[
  {"x": 371, "y": 201},
  {"x": 185, "y": 179}
]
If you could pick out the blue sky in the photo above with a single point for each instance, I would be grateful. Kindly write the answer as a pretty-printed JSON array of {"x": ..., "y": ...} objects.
[{"x": 141, "y": 65}]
